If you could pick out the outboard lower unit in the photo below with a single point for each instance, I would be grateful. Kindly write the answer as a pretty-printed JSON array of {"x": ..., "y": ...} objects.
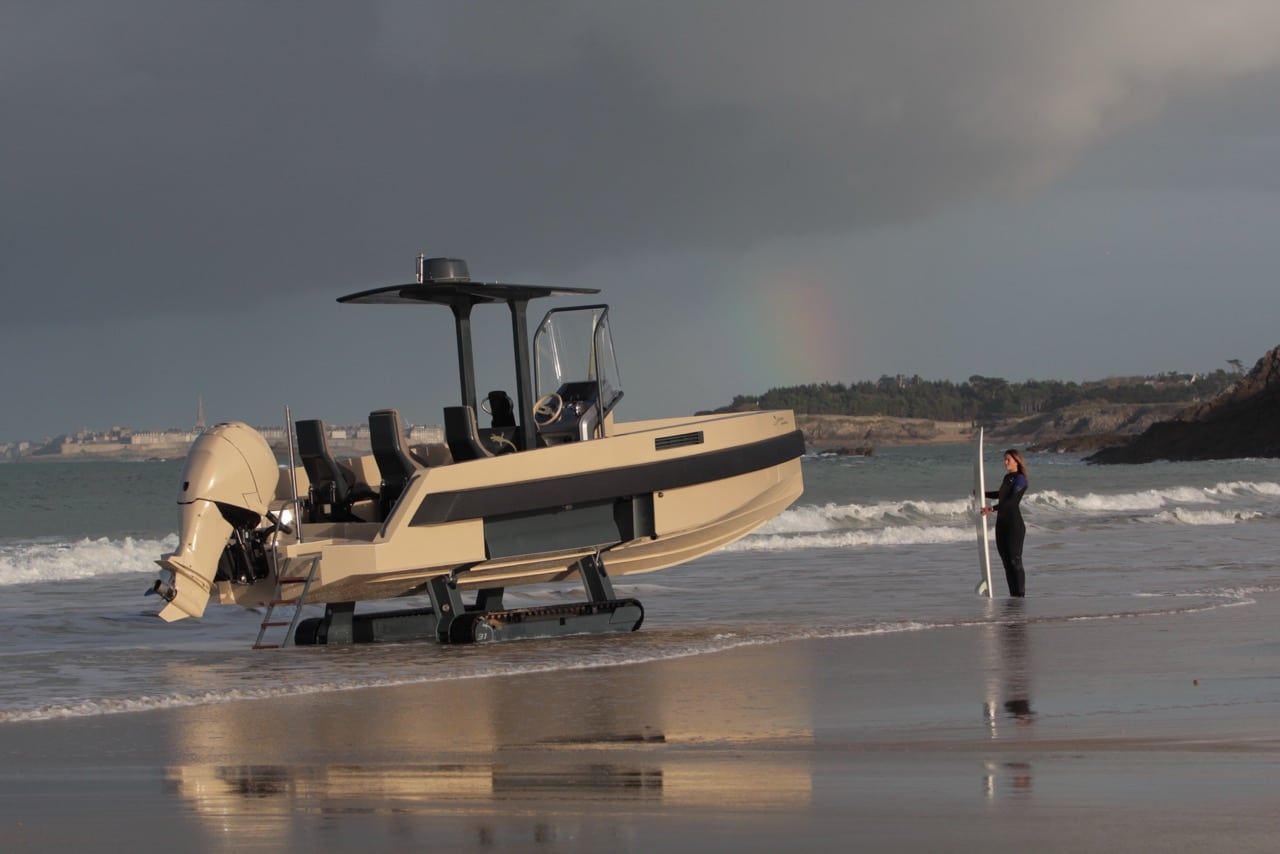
[
  {"x": 244, "y": 559},
  {"x": 230, "y": 476}
]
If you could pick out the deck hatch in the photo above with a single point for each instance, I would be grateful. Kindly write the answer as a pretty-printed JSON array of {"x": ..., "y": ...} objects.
[{"x": 666, "y": 443}]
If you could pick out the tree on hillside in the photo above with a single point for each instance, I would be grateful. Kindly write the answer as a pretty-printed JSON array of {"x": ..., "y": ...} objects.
[{"x": 981, "y": 398}]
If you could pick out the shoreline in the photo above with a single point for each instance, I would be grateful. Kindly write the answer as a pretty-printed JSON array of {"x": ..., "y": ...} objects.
[
  {"x": 880, "y": 432},
  {"x": 1083, "y": 431},
  {"x": 832, "y": 432},
  {"x": 169, "y": 453},
  {"x": 1001, "y": 735}
]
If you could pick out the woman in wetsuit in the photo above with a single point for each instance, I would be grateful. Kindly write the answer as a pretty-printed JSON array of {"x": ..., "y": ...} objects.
[{"x": 1010, "y": 529}]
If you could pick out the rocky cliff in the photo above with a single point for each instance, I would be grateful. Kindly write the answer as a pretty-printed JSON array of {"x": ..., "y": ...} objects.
[
  {"x": 1079, "y": 428},
  {"x": 1243, "y": 421},
  {"x": 1083, "y": 426},
  {"x": 834, "y": 432}
]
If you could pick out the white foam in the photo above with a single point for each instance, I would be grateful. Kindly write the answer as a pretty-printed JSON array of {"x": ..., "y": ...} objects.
[
  {"x": 478, "y": 668},
  {"x": 1152, "y": 499},
  {"x": 615, "y": 656},
  {"x": 811, "y": 518},
  {"x": 1092, "y": 502},
  {"x": 1237, "y": 487},
  {"x": 1183, "y": 516},
  {"x": 24, "y": 563},
  {"x": 898, "y": 536}
]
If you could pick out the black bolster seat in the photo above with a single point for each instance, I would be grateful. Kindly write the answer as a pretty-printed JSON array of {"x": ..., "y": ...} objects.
[
  {"x": 462, "y": 434},
  {"x": 331, "y": 494},
  {"x": 386, "y": 440},
  {"x": 502, "y": 409}
]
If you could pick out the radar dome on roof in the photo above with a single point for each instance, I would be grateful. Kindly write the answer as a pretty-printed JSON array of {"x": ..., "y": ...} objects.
[{"x": 442, "y": 270}]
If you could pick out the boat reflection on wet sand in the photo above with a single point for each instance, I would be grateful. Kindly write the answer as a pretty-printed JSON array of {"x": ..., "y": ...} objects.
[{"x": 513, "y": 760}]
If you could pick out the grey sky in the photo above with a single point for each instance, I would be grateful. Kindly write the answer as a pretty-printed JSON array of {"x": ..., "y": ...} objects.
[{"x": 768, "y": 193}]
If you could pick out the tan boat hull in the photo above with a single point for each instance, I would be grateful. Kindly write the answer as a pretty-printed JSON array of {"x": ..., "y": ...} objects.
[{"x": 368, "y": 561}]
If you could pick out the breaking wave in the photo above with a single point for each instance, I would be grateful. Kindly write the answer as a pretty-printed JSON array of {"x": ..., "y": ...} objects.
[
  {"x": 27, "y": 562},
  {"x": 910, "y": 522},
  {"x": 903, "y": 536},
  {"x": 832, "y": 517},
  {"x": 1153, "y": 499},
  {"x": 1183, "y": 516}
]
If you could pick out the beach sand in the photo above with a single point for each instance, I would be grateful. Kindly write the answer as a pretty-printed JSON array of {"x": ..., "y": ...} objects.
[{"x": 1142, "y": 733}]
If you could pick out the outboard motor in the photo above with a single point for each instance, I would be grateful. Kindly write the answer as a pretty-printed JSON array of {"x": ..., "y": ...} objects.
[{"x": 227, "y": 482}]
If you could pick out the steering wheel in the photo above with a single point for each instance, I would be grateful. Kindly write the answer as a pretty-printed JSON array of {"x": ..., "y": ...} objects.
[{"x": 547, "y": 409}]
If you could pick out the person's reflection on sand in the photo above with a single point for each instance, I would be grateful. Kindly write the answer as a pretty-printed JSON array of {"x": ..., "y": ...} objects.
[
  {"x": 1016, "y": 692},
  {"x": 1008, "y": 654},
  {"x": 1008, "y": 692}
]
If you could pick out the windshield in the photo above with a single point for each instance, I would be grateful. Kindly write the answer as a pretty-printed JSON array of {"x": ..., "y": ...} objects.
[{"x": 573, "y": 345}]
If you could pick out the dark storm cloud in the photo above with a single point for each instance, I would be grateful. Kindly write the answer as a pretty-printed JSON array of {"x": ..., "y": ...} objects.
[
  {"x": 166, "y": 152},
  {"x": 167, "y": 157}
]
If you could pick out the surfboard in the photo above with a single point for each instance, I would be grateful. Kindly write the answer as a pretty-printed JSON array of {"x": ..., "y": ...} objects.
[{"x": 984, "y": 546}]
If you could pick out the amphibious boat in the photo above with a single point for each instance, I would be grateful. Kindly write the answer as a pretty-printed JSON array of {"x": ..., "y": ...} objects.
[{"x": 553, "y": 487}]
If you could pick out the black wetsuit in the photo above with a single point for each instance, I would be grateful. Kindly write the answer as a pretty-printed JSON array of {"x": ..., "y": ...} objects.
[{"x": 1010, "y": 530}]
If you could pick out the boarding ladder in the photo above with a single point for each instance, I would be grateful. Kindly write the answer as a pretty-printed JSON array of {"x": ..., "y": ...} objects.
[{"x": 289, "y": 573}]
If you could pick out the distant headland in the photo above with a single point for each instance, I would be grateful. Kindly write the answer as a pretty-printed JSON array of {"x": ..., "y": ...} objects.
[
  {"x": 1239, "y": 423},
  {"x": 1215, "y": 415}
]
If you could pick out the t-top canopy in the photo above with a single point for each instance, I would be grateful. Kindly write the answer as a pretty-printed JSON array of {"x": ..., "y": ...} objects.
[
  {"x": 445, "y": 281},
  {"x": 447, "y": 293}
]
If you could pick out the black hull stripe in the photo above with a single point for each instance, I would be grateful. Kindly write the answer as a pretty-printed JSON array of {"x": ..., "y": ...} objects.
[{"x": 440, "y": 507}]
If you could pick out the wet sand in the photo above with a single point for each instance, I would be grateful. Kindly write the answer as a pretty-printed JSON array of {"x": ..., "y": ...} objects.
[{"x": 1146, "y": 733}]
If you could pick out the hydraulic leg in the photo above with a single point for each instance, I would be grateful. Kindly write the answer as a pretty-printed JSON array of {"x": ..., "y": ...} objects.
[
  {"x": 602, "y": 612},
  {"x": 339, "y": 621},
  {"x": 595, "y": 579}
]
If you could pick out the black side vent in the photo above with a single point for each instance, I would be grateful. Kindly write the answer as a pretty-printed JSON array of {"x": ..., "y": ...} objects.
[{"x": 666, "y": 443}]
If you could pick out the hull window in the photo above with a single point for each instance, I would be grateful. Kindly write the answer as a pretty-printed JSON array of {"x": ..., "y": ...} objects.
[{"x": 597, "y": 524}]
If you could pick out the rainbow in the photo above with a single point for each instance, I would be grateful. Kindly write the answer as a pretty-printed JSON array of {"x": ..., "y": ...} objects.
[{"x": 789, "y": 329}]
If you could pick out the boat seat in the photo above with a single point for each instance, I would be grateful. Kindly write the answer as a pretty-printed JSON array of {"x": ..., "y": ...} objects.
[
  {"x": 502, "y": 409},
  {"x": 462, "y": 434},
  {"x": 386, "y": 439},
  {"x": 331, "y": 493},
  {"x": 502, "y": 437}
]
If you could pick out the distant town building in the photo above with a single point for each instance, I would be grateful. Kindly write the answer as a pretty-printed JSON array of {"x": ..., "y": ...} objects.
[
  {"x": 419, "y": 433},
  {"x": 161, "y": 437},
  {"x": 126, "y": 443}
]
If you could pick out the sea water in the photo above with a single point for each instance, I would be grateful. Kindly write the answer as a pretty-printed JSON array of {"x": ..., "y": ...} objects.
[{"x": 876, "y": 544}]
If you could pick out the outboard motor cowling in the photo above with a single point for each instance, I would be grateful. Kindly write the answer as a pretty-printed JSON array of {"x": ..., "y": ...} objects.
[{"x": 230, "y": 471}]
